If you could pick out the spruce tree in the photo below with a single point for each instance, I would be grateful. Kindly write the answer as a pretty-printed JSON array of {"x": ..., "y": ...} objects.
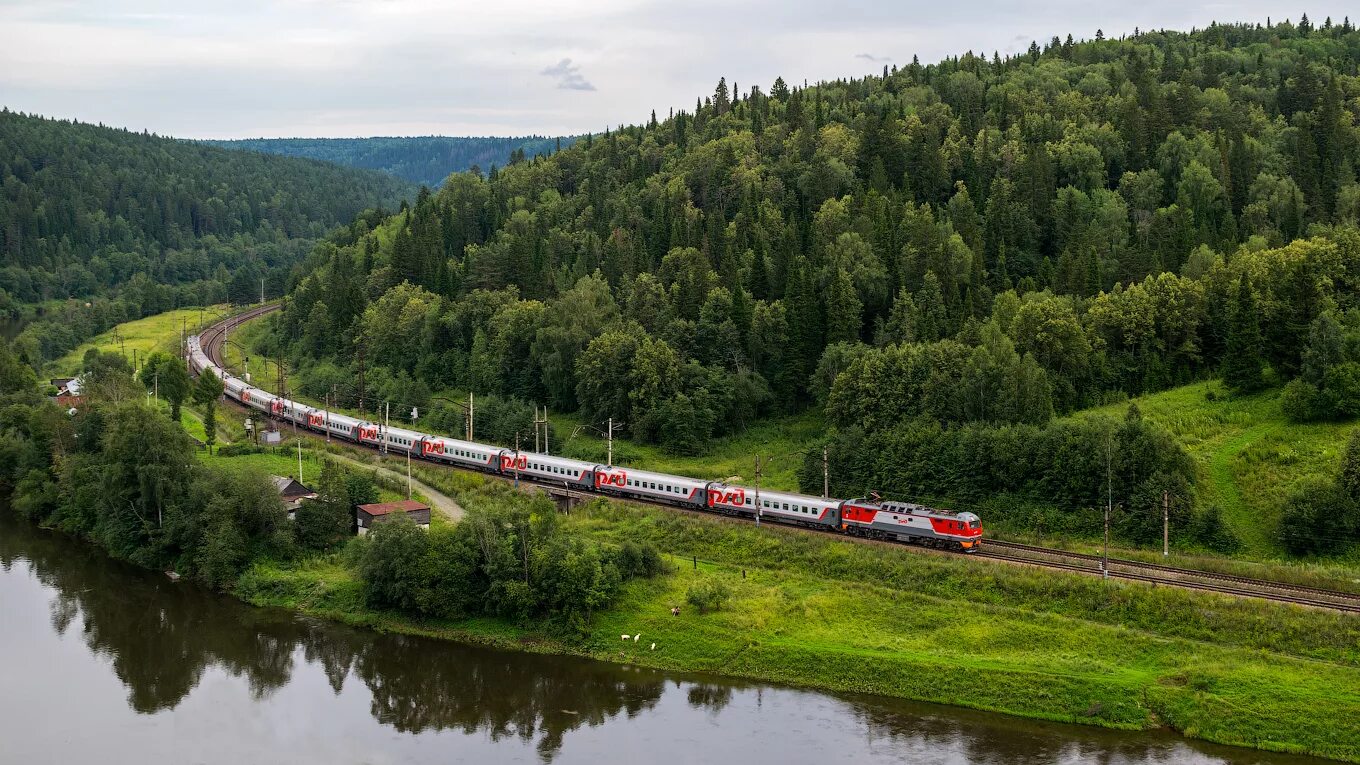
[
  {"x": 844, "y": 311},
  {"x": 1242, "y": 358}
]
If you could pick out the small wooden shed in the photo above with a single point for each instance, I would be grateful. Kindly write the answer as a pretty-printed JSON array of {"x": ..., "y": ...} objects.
[
  {"x": 367, "y": 515},
  {"x": 292, "y": 493}
]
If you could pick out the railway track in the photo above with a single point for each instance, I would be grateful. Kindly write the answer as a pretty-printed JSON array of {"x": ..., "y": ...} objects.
[
  {"x": 1156, "y": 573},
  {"x": 214, "y": 338}
]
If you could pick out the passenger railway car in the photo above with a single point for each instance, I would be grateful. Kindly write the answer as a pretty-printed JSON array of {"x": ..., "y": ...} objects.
[
  {"x": 557, "y": 470},
  {"x": 657, "y": 487},
  {"x": 867, "y": 517},
  {"x": 456, "y": 452}
]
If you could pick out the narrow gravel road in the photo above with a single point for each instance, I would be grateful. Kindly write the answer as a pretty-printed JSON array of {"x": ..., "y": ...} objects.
[{"x": 438, "y": 500}]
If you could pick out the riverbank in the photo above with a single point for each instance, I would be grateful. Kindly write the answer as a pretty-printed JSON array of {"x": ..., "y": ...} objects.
[{"x": 814, "y": 611}]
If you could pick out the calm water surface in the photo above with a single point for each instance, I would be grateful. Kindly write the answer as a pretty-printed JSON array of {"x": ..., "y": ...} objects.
[{"x": 100, "y": 662}]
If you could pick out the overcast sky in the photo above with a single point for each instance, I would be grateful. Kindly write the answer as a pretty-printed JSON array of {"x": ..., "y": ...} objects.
[{"x": 271, "y": 68}]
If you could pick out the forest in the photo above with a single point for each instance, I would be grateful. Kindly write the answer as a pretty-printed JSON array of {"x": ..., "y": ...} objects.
[
  {"x": 421, "y": 159},
  {"x": 976, "y": 244},
  {"x": 135, "y": 224}
]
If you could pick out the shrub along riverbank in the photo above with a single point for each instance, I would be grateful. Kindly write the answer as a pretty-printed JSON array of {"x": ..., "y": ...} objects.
[{"x": 816, "y": 611}]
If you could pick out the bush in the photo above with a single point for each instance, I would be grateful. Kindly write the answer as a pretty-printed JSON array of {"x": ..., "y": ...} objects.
[
  {"x": 1316, "y": 517},
  {"x": 638, "y": 560},
  {"x": 322, "y": 524},
  {"x": 238, "y": 449},
  {"x": 1207, "y": 528},
  {"x": 1302, "y": 402},
  {"x": 708, "y": 595},
  {"x": 391, "y": 566},
  {"x": 1341, "y": 387}
]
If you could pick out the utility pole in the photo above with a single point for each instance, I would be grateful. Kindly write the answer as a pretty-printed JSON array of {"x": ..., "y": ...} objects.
[
  {"x": 1166, "y": 524},
  {"x": 826, "y": 476},
  {"x": 361, "y": 381},
  {"x": 1109, "y": 502},
  {"x": 516, "y": 462},
  {"x": 469, "y": 435},
  {"x": 327, "y": 402},
  {"x": 408, "y": 473},
  {"x": 299, "y": 445},
  {"x": 541, "y": 423},
  {"x": 261, "y": 290},
  {"x": 387, "y": 423},
  {"x": 183, "y": 349},
  {"x": 758, "y": 490},
  {"x": 610, "y": 461}
]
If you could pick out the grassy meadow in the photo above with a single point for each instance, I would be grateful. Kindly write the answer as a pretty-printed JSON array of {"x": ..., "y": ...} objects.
[
  {"x": 1248, "y": 453},
  {"x": 144, "y": 336}
]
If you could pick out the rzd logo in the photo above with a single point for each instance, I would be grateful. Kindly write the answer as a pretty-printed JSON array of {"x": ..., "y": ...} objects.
[
  {"x": 606, "y": 480},
  {"x": 245, "y": 397},
  {"x": 369, "y": 433},
  {"x": 276, "y": 407},
  {"x": 726, "y": 497},
  {"x": 510, "y": 462},
  {"x": 432, "y": 447},
  {"x": 316, "y": 420}
]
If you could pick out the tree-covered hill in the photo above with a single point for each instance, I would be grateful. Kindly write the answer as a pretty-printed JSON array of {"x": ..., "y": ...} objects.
[
  {"x": 943, "y": 255},
  {"x": 100, "y": 226},
  {"x": 426, "y": 160},
  {"x": 86, "y": 208}
]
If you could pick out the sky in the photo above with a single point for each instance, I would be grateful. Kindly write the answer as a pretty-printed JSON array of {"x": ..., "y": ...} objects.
[{"x": 320, "y": 68}]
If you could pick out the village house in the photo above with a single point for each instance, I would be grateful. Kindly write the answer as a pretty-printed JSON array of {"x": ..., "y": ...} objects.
[
  {"x": 367, "y": 515},
  {"x": 292, "y": 493}
]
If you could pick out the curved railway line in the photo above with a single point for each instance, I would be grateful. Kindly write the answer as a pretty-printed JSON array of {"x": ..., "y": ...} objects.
[{"x": 214, "y": 338}]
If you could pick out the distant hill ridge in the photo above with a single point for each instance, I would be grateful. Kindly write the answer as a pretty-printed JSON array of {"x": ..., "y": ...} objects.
[{"x": 419, "y": 159}]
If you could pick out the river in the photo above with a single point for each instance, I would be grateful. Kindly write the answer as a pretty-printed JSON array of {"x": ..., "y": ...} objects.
[{"x": 106, "y": 663}]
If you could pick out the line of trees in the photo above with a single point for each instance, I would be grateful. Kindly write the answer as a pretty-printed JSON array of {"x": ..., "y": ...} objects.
[{"x": 509, "y": 557}]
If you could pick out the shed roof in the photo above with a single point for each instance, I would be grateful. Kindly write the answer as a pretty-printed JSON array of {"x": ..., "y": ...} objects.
[
  {"x": 403, "y": 506},
  {"x": 289, "y": 487}
]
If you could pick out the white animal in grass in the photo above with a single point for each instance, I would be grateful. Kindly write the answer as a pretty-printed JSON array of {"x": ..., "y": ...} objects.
[{"x": 635, "y": 637}]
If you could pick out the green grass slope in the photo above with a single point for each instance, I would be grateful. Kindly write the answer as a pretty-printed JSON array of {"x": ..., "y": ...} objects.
[{"x": 1249, "y": 454}]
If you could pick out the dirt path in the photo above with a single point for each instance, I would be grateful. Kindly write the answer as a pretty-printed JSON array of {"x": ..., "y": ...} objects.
[
  {"x": 438, "y": 500},
  {"x": 1230, "y": 500}
]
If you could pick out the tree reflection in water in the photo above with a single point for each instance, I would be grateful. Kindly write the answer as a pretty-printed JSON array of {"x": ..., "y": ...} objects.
[{"x": 160, "y": 638}]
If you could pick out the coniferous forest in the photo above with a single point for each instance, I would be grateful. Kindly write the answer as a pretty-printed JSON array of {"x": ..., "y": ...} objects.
[
  {"x": 944, "y": 256},
  {"x": 137, "y": 224}
]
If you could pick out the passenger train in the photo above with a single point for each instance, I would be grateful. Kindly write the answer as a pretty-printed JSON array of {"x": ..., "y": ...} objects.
[{"x": 866, "y": 517}]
